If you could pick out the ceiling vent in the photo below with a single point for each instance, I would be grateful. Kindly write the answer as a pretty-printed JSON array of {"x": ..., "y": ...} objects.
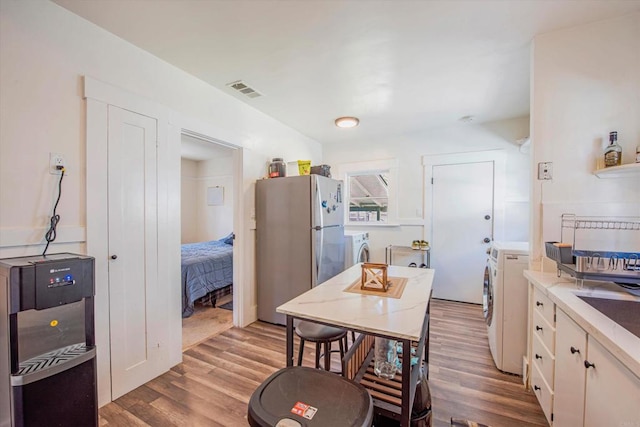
[{"x": 244, "y": 89}]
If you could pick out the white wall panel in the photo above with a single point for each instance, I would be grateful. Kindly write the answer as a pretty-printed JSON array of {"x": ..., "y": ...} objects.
[{"x": 585, "y": 83}]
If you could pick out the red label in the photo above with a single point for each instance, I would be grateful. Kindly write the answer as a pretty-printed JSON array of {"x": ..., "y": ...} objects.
[
  {"x": 299, "y": 408},
  {"x": 304, "y": 410}
]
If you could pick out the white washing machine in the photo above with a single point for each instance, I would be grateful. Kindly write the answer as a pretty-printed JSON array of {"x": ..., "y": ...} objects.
[
  {"x": 356, "y": 247},
  {"x": 504, "y": 301}
]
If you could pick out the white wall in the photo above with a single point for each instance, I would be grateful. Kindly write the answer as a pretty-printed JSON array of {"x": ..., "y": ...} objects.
[
  {"x": 585, "y": 83},
  {"x": 215, "y": 222},
  {"x": 201, "y": 222},
  {"x": 44, "y": 53},
  {"x": 409, "y": 149},
  {"x": 188, "y": 201}
]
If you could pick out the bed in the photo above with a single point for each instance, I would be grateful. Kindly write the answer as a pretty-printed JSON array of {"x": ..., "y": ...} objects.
[{"x": 207, "y": 267}]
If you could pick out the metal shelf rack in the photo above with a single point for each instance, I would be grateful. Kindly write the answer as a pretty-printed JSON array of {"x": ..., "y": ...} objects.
[
  {"x": 424, "y": 253},
  {"x": 607, "y": 265}
]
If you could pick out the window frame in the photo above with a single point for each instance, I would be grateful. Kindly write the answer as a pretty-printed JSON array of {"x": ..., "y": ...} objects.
[{"x": 388, "y": 166}]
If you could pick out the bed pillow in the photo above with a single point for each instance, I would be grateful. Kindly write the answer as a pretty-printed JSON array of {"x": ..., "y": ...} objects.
[{"x": 228, "y": 240}]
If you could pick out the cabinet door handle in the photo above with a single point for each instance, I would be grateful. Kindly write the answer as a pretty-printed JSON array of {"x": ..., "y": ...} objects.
[
  {"x": 538, "y": 328},
  {"x": 539, "y": 304},
  {"x": 536, "y": 388},
  {"x": 588, "y": 364},
  {"x": 538, "y": 356},
  {"x": 574, "y": 350}
]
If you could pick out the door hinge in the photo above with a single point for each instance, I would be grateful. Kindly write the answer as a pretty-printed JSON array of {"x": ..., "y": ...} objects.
[
  {"x": 431, "y": 181},
  {"x": 552, "y": 416},
  {"x": 554, "y": 318}
]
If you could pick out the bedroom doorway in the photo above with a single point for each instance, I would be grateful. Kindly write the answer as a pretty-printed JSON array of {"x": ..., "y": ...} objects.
[{"x": 207, "y": 234}]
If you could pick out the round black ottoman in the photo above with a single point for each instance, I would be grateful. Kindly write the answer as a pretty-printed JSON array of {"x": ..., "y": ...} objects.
[{"x": 300, "y": 396}]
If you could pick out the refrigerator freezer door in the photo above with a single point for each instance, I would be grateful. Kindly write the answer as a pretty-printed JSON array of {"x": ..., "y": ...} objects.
[
  {"x": 327, "y": 201},
  {"x": 283, "y": 243},
  {"x": 328, "y": 253}
]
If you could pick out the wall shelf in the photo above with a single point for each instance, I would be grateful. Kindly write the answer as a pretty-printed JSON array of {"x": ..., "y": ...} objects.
[{"x": 628, "y": 170}]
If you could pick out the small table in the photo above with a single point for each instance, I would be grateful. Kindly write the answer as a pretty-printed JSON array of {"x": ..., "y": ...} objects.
[
  {"x": 405, "y": 319},
  {"x": 424, "y": 253}
]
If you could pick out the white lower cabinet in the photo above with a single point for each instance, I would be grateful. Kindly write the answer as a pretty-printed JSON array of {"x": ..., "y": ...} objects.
[
  {"x": 613, "y": 392},
  {"x": 592, "y": 388},
  {"x": 542, "y": 345},
  {"x": 543, "y": 391},
  {"x": 571, "y": 347}
]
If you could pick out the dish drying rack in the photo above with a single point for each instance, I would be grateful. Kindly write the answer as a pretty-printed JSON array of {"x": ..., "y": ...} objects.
[{"x": 622, "y": 268}]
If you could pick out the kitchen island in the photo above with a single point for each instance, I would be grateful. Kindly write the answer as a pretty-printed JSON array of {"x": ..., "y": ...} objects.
[{"x": 404, "y": 319}]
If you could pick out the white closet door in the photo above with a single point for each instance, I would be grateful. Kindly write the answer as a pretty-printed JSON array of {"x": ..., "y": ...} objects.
[
  {"x": 462, "y": 221},
  {"x": 133, "y": 248}
]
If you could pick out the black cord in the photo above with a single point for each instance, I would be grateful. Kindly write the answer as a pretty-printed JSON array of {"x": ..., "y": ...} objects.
[{"x": 50, "y": 236}]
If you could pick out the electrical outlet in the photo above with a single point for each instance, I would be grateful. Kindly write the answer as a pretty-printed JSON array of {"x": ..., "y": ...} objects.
[
  {"x": 56, "y": 161},
  {"x": 545, "y": 170}
]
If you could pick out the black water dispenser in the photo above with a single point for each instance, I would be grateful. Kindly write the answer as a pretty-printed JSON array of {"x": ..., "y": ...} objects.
[{"x": 47, "y": 341}]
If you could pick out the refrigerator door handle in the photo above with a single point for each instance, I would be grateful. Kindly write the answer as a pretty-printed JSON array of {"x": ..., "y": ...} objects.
[
  {"x": 319, "y": 209},
  {"x": 318, "y": 253}
]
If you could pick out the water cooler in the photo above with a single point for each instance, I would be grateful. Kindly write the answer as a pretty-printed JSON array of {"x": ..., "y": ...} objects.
[{"x": 47, "y": 341}]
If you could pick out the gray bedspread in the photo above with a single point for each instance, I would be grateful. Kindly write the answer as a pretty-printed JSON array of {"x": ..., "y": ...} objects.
[{"x": 206, "y": 266}]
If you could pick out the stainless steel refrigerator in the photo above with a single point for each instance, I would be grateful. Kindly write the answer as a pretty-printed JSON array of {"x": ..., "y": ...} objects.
[{"x": 299, "y": 238}]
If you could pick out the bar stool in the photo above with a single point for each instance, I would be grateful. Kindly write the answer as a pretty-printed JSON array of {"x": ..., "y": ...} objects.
[
  {"x": 321, "y": 334},
  {"x": 301, "y": 396}
]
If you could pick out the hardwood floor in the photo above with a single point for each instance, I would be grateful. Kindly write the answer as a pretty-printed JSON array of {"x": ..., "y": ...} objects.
[
  {"x": 205, "y": 322},
  {"x": 214, "y": 383}
]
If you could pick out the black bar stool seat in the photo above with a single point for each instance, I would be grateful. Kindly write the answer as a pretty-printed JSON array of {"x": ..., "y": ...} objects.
[
  {"x": 321, "y": 335},
  {"x": 305, "y": 397}
]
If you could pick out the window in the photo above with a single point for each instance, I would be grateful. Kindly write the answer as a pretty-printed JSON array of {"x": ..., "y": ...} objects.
[
  {"x": 370, "y": 194},
  {"x": 369, "y": 197}
]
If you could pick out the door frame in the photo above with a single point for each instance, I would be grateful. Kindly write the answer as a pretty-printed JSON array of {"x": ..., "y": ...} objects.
[
  {"x": 204, "y": 132},
  {"x": 98, "y": 96},
  {"x": 498, "y": 157}
]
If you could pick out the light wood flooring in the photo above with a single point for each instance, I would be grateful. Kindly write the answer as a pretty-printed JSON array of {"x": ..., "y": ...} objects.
[
  {"x": 213, "y": 384},
  {"x": 205, "y": 322}
]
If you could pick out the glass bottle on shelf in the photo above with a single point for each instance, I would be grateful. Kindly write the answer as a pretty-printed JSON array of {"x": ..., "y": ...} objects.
[{"x": 613, "y": 152}]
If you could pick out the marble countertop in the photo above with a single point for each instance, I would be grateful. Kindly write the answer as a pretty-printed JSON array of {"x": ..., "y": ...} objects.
[
  {"x": 401, "y": 318},
  {"x": 564, "y": 292}
]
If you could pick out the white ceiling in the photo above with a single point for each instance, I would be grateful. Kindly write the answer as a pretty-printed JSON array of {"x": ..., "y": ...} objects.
[{"x": 400, "y": 66}]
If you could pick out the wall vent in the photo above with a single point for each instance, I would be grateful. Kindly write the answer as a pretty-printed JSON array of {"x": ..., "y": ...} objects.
[{"x": 244, "y": 89}]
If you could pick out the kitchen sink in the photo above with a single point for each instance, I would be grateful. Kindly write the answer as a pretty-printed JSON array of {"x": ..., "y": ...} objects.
[{"x": 625, "y": 313}]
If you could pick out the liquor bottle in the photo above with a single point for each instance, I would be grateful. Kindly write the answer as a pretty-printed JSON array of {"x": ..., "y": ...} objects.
[{"x": 613, "y": 152}]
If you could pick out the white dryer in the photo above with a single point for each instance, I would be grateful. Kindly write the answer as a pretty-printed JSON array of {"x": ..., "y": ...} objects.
[
  {"x": 504, "y": 301},
  {"x": 356, "y": 247}
]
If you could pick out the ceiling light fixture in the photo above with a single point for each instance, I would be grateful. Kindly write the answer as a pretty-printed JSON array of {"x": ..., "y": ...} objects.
[{"x": 347, "y": 122}]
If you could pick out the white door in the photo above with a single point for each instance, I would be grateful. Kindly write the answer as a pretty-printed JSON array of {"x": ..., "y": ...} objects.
[
  {"x": 462, "y": 228},
  {"x": 133, "y": 248}
]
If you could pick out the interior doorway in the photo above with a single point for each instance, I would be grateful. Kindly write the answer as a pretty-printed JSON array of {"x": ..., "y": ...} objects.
[{"x": 207, "y": 191}]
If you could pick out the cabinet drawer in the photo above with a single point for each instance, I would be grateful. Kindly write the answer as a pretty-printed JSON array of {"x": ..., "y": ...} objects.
[
  {"x": 543, "y": 359},
  {"x": 542, "y": 391},
  {"x": 543, "y": 305},
  {"x": 543, "y": 330}
]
